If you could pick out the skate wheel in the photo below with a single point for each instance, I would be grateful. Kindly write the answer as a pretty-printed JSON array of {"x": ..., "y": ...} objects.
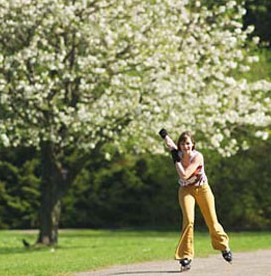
[{"x": 185, "y": 268}]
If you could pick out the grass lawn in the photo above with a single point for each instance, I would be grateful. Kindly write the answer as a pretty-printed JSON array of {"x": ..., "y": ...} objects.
[{"x": 82, "y": 250}]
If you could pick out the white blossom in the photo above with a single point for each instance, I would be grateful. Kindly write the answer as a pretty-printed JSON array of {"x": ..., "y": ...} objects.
[
  {"x": 262, "y": 134},
  {"x": 5, "y": 140},
  {"x": 256, "y": 40},
  {"x": 118, "y": 71}
]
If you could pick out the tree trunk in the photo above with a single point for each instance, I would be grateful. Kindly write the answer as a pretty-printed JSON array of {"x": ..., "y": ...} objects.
[{"x": 53, "y": 187}]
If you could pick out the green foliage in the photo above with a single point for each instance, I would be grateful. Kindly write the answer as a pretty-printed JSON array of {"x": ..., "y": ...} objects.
[
  {"x": 242, "y": 184},
  {"x": 258, "y": 14},
  {"x": 126, "y": 192},
  {"x": 261, "y": 69},
  {"x": 142, "y": 192},
  {"x": 19, "y": 189},
  {"x": 139, "y": 191}
]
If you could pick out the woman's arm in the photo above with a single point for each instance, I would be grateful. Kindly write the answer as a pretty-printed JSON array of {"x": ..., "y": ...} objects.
[
  {"x": 185, "y": 173},
  {"x": 169, "y": 142}
]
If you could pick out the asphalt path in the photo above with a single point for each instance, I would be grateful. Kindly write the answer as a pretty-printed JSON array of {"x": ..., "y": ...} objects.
[{"x": 256, "y": 263}]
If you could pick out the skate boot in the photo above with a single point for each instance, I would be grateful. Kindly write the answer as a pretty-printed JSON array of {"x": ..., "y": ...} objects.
[
  {"x": 227, "y": 255},
  {"x": 185, "y": 264}
]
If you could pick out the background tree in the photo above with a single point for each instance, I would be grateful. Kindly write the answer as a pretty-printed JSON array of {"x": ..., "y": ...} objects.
[
  {"x": 75, "y": 75},
  {"x": 19, "y": 186}
]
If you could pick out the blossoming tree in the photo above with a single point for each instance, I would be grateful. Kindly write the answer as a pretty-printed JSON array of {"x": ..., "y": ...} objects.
[{"x": 78, "y": 74}]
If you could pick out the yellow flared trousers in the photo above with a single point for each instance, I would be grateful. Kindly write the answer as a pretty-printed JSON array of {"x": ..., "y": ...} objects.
[{"x": 204, "y": 197}]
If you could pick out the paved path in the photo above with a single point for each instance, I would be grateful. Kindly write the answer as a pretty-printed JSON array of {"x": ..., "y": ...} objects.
[{"x": 245, "y": 264}]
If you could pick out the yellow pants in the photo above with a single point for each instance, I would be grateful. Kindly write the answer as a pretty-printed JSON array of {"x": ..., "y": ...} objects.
[{"x": 204, "y": 197}]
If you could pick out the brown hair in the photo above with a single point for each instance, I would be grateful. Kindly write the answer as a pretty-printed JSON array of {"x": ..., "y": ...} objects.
[{"x": 183, "y": 137}]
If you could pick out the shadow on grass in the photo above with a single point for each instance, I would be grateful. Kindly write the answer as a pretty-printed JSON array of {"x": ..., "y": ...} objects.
[
  {"x": 12, "y": 250},
  {"x": 34, "y": 249},
  {"x": 17, "y": 250},
  {"x": 21, "y": 249}
]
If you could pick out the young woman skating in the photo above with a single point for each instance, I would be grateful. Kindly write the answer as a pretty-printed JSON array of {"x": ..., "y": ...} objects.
[{"x": 194, "y": 188}]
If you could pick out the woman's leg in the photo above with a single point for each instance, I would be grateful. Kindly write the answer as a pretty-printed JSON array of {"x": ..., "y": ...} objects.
[
  {"x": 206, "y": 202},
  {"x": 185, "y": 248}
]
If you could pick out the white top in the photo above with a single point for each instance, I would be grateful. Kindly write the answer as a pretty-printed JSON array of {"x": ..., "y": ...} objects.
[{"x": 198, "y": 178}]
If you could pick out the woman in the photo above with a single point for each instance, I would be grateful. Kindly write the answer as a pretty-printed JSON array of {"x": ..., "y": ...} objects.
[{"x": 193, "y": 189}]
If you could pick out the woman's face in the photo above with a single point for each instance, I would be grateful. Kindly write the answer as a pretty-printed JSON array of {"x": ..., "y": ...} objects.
[{"x": 186, "y": 145}]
